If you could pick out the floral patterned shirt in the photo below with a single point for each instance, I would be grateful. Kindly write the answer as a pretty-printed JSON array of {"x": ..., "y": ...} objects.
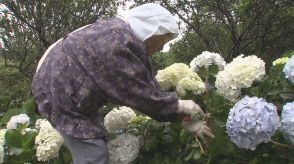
[{"x": 103, "y": 62}]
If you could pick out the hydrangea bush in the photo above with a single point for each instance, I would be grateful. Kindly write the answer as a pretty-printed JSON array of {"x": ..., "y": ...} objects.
[
  {"x": 239, "y": 123},
  {"x": 243, "y": 125}
]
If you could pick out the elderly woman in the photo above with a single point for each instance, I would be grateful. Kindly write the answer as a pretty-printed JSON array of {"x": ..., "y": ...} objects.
[{"x": 108, "y": 61}]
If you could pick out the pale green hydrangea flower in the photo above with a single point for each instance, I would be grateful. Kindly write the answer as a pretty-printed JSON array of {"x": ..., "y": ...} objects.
[
  {"x": 170, "y": 76},
  {"x": 191, "y": 82},
  {"x": 281, "y": 61},
  {"x": 48, "y": 141},
  {"x": 2, "y": 143},
  {"x": 181, "y": 77}
]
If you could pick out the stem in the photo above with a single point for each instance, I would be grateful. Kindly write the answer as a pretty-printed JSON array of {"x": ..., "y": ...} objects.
[
  {"x": 202, "y": 150},
  {"x": 280, "y": 144},
  {"x": 206, "y": 92}
]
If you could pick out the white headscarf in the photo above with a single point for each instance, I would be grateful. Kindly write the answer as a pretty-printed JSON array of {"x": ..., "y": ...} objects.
[{"x": 151, "y": 19}]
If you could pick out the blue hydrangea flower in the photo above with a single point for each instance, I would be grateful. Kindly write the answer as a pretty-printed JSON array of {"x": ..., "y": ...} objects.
[
  {"x": 252, "y": 121},
  {"x": 287, "y": 122},
  {"x": 289, "y": 70}
]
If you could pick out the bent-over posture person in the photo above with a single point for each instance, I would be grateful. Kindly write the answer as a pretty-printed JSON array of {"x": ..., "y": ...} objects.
[{"x": 108, "y": 61}]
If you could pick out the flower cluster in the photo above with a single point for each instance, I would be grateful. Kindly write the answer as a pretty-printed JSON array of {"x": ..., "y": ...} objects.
[
  {"x": 289, "y": 70},
  {"x": 252, "y": 121},
  {"x": 238, "y": 74},
  {"x": 181, "y": 77},
  {"x": 191, "y": 82},
  {"x": 139, "y": 119},
  {"x": 123, "y": 149},
  {"x": 280, "y": 61},
  {"x": 48, "y": 141},
  {"x": 2, "y": 143},
  {"x": 118, "y": 118},
  {"x": 19, "y": 119},
  {"x": 170, "y": 76},
  {"x": 206, "y": 59},
  {"x": 287, "y": 122}
]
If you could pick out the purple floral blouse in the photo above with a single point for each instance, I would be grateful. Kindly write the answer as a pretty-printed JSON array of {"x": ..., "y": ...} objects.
[{"x": 101, "y": 63}]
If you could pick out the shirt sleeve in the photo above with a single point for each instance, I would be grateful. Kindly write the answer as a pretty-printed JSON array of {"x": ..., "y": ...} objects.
[{"x": 125, "y": 78}]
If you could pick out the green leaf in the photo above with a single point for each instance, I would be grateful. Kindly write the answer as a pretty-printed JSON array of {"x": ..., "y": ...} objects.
[
  {"x": 183, "y": 136},
  {"x": 9, "y": 114},
  {"x": 21, "y": 126},
  {"x": 288, "y": 54},
  {"x": 13, "y": 138},
  {"x": 213, "y": 69},
  {"x": 188, "y": 157},
  {"x": 28, "y": 140},
  {"x": 197, "y": 155},
  {"x": 167, "y": 138},
  {"x": 66, "y": 155},
  {"x": 24, "y": 156},
  {"x": 221, "y": 143},
  {"x": 29, "y": 108}
]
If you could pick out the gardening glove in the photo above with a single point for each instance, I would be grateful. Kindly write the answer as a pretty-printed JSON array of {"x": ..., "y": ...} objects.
[
  {"x": 198, "y": 128},
  {"x": 189, "y": 107}
]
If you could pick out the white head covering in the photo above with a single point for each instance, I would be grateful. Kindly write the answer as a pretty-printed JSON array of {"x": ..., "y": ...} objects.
[{"x": 151, "y": 19}]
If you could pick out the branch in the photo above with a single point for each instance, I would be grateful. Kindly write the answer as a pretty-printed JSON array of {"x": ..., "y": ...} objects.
[
  {"x": 279, "y": 144},
  {"x": 18, "y": 16},
  {"x": 191, "y": 25}
]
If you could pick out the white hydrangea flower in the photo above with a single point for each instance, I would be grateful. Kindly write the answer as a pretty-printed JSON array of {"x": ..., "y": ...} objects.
[
  {"x": 48, "y": 141},
  {"x": 222, "y": 84},
  {"x": 191, "y": 82},
  {"x": 281, "y": 61},
  {"x": 170, "y": 76},
  {"x": 2, "y": 143},
  {"x": 205, "y": 59},
  {"x": 238, "y": 74},
  {"x": 123, "y": 149},
  {"x": 117, "y": 119},
  {"x": 14, "y": 120}
]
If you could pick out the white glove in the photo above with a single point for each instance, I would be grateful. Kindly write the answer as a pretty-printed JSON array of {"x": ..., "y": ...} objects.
[
  {"x": 189, "y": 107},
  {"x": 198, "y": 128}
]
